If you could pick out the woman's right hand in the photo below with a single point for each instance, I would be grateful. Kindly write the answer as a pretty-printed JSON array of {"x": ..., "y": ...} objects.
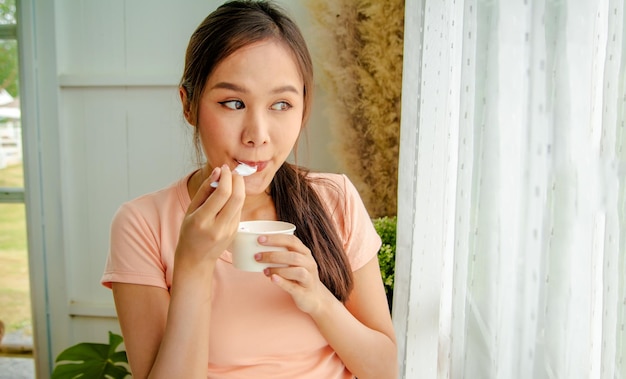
[{"x": 212, "y": 218}]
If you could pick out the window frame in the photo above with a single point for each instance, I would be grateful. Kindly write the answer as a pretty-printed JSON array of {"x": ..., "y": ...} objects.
[{"x": 10, "y": 194}]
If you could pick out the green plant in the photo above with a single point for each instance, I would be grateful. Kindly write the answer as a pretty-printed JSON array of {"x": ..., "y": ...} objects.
[
  {"x": 93, "y": 361},
  {"x": 386, "y": 229}
]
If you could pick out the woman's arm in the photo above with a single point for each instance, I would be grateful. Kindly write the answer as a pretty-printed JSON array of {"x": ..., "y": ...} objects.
[
  {"x": 165, "y": 337},
  {"x": 361, "y": 332},
  {"x": 167, "y": 334},
  {"x": 142, "y": 333}
]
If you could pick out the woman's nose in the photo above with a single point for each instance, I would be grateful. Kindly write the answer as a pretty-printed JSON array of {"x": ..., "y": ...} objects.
[{"x": 256, "y": 129}]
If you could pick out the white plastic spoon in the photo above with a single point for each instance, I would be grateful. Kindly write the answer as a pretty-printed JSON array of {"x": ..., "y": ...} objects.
[{"x": 241, "y": 169}]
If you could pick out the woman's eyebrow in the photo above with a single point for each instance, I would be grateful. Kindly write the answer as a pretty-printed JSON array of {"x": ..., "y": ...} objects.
[
  {"x": 286, "y": 88},
  {"x": 231, "y": 86},
  {"x": 237, "y": 88}
]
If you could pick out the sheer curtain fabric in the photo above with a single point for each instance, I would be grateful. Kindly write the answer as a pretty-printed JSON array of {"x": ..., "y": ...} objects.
[{"x": 512, "y": 254}]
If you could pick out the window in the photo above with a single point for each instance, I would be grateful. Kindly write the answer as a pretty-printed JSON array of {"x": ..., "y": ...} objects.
[{"x": 14, "y": 281}]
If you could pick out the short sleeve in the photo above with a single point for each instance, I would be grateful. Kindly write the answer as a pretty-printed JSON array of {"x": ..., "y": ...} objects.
[
  {"x": 361, "y": 241},
  {"x": 134, "y": 255}
]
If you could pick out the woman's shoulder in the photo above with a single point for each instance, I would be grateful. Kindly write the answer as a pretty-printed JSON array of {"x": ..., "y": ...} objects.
[
  {"x": 332, "y": 184},
  {"x": 336, "y": 191},
  {"x": 326, "y": 179},
  {"x": 173, "y": 196},
  {"x": 346, "y": 208},
  {"x": 326, "y": 175}
]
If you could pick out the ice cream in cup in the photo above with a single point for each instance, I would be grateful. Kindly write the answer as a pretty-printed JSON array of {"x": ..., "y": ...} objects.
[{"x": 246, "y": 245}]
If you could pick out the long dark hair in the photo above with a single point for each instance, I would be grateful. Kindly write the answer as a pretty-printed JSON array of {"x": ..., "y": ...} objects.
[
  {"x": 297, "y": 202},
  {"x": 230, "y": 27}
]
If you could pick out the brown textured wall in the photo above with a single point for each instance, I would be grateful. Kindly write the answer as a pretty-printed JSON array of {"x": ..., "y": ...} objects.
[{"x": 359, "y": 51}]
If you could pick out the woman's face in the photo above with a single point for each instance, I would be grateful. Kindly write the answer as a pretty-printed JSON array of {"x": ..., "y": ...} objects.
[{"x": 251, "y": 111}]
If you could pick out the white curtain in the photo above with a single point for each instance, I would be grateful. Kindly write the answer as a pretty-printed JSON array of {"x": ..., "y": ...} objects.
[{"x": 512, "y": 258}]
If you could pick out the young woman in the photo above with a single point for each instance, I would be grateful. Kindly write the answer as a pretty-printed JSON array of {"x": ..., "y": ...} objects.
[{"x": 184, "y": 310}]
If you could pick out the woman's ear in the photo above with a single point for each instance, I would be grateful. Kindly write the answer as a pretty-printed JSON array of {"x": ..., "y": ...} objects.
[{"x": 186, "y": 105}]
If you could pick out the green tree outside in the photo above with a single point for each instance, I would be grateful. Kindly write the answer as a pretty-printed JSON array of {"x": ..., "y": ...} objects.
[{"x": 9, "y": 78}]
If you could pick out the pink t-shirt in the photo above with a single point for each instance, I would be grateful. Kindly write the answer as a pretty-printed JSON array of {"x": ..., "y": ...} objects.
[{"x": 256, "y": 329}]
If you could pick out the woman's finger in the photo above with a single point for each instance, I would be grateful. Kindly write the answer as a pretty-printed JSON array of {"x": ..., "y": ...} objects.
[
  {"x": 296, "y": 274},
  {"x": 288, "y": 241},
  {"x": 204, "y": 191},
  {"x": 231, "y": 212},
  {"x": 287, "y": 285},
  {"x": 219, "y": 196},
  {"x": 307, "y": 297},
  {"x": 288, "y": 258}
]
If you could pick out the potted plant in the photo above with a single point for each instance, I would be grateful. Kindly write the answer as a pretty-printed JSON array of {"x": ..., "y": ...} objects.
[
  {"x": 93, "y": 361},
  {"x": 386, "y": 229}
]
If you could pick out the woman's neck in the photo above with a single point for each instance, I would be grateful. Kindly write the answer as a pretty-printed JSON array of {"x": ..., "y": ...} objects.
[{"x": 258, "y": 207}]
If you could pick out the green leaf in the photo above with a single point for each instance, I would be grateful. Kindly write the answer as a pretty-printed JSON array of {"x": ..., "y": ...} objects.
[
  {"x": 114, "y": 342},
  {"x": 118, "y": 357},
  {"x": 386, "y": 229},
  {"x": 92, "y": 361},
  {"x": 84, "y": 351}
]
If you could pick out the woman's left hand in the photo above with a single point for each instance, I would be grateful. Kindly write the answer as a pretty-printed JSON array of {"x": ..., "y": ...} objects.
[{"x": 300, "y": 278}]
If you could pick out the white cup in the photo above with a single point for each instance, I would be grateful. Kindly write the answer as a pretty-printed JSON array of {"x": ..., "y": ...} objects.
[{"x": 245, "y": 244}]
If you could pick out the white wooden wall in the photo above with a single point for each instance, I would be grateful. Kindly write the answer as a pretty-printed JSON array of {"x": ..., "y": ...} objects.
[{"x": 102, "y": 125}]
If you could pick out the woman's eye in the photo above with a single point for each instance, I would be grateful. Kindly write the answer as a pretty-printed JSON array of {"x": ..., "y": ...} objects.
[
  {"x": 233, "y": 104},
  {"x": 281, "y": 106}
]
